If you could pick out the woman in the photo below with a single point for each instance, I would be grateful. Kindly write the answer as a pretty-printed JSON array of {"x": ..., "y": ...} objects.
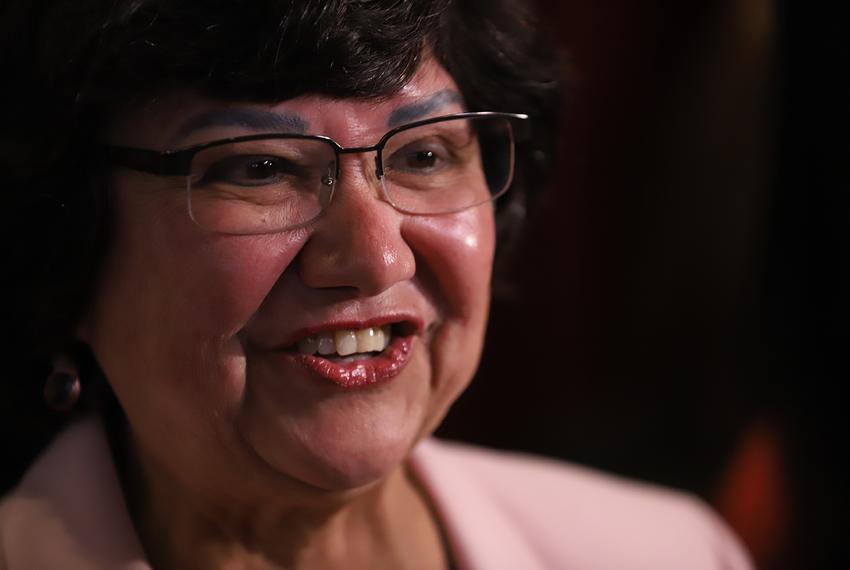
[{"x": 275, "y": 235}]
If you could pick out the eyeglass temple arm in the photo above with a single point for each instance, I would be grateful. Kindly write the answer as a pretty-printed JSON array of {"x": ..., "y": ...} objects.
[
  {"x": 151, "y": 161},
  {"x": 521, "y": 126}
]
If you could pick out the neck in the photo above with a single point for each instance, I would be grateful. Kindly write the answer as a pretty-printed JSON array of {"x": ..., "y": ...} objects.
[{"x": 387, "y": 524}]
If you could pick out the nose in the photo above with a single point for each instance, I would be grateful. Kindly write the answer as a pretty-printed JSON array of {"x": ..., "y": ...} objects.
[{"x": 357, "y": 242}]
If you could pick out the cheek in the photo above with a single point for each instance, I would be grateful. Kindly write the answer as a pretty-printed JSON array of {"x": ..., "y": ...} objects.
[
  {"x": 454, "y": 265},
  {"x": 455, "y": 259},
  {"x": 171, "y": 302}
]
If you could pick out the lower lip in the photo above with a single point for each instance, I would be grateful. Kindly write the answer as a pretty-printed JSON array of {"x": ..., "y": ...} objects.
[{"x": 359, "y": 373}]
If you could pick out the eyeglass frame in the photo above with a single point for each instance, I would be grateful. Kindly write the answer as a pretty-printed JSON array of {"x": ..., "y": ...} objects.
[{"x": 178, "y": 162}]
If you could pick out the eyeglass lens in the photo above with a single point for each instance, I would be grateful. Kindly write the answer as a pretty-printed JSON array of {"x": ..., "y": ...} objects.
[{"x": 270, "y": 185}]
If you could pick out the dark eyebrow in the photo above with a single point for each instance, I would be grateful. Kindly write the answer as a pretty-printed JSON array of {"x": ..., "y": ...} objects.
[
  {"x": 253, "y": 119},
  {"x": 419, "y": 109}
]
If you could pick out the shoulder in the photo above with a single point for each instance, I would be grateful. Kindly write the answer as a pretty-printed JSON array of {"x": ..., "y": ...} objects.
[
  {"x": 576, "y": 515},
  {"x": 20, "y": 515},
  {"x": 68, "y": 511},
  {"x": 26, "y": 518}
]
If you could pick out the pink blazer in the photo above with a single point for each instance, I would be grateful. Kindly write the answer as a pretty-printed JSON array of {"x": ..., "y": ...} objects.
[{"x": 500, "y": 511}]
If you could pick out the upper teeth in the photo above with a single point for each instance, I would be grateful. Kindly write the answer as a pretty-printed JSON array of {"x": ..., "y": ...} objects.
[{"x": 345, "y": 342}]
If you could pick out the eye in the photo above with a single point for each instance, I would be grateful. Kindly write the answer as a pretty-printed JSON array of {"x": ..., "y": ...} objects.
[
  {"x": 421, "y": 158},
  {"x": 252, "y": 170}
]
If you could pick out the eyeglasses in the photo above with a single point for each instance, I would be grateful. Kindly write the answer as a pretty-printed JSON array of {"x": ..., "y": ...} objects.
[{"x": 268, "y": 183}]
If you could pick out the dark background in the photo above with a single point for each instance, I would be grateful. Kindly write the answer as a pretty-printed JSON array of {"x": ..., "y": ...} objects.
[{"x": 675, "y": 306}]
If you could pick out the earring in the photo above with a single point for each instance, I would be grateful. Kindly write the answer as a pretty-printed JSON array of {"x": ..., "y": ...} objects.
[{"x": 62, "y": 388}]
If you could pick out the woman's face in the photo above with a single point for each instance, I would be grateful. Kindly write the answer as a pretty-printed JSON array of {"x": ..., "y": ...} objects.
[{"x": 193, "y": 328}]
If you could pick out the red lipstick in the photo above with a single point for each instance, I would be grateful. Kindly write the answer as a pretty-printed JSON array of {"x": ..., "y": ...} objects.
[
  {"x": 356, "y": 372},
  {"x": 372, "y": 370}
]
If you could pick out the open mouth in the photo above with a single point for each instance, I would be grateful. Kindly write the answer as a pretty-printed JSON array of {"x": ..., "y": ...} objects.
[
  {"x": 350, "y": 345},
  {"x": 353, "y": 354}
]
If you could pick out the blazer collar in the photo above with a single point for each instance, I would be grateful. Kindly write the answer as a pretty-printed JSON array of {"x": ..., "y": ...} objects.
[
  {"x": 69, "y": 511},
  {"x": 479, "y": 532}
]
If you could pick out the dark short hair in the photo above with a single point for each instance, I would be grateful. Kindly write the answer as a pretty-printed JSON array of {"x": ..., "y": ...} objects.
[{"x": 70, "y": 65}]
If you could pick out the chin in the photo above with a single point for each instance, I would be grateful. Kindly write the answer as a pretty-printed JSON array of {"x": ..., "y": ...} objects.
[
  {"x": 358, "y": 469},
  {"x": 339, "y": 459}
]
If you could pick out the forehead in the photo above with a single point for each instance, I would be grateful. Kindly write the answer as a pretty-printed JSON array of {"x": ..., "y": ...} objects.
[{"x": 183, "y": 118}]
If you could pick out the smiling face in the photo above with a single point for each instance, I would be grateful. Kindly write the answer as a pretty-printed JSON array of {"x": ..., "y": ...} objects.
[{"x": 196, "y": 330}]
